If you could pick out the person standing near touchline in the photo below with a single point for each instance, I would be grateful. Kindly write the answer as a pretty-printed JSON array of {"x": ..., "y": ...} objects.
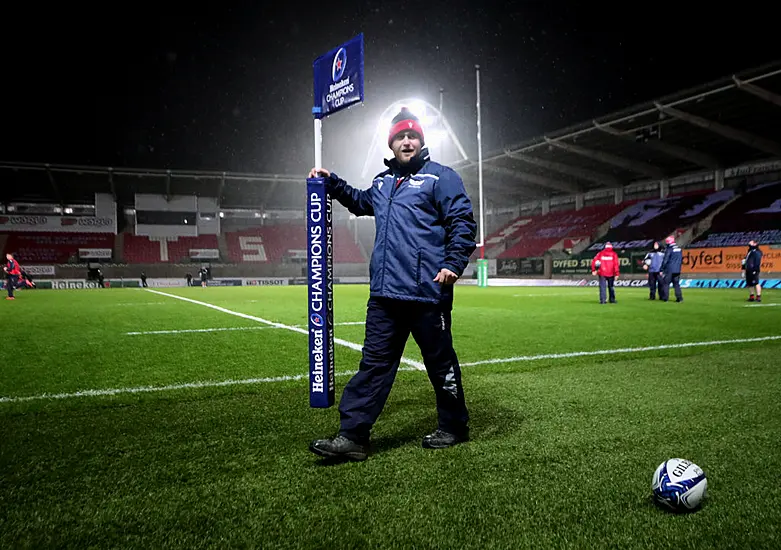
[{"x": 425, "y": 235}]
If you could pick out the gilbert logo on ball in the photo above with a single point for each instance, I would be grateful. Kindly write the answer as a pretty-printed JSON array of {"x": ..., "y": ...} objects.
[{"x": 679, "y": 485}]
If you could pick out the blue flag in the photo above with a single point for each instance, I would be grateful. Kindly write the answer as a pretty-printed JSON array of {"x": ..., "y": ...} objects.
[{"x": 338, "y": 78}]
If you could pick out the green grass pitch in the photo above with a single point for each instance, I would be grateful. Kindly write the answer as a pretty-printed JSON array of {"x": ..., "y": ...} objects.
[{"x": 127, "y": 421}]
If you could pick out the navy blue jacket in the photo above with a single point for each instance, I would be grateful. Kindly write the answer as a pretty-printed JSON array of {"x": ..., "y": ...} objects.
[
  {"x": 753, "y": 260},
  {"x": 673, "y": 259},
  {"x": 424, "y": 224},
  {"x": 656, "y": 257}
]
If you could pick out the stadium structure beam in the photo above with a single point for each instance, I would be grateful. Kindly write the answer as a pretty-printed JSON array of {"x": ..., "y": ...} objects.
[
  {"x": 609, "y": 158},
  {"x": 152, "y": 172},
  {"x": 579, "y": 173},
  {"x": 747, "y": 138},
  {"x": 755, "y": 90},
  {"x": 505, "y": 192},
  {"x": 535, "y": 179},
  {"x": 221, "y": 188},
  {"x": 629, "y": 115},
  {"x": 500, "y": 188},
  {"x": 111, "y": 184},
  {"x": 670, "y": 149},
  {"x": 55, "y": 187},
  {"x": 269, "y": 192},
  {"x": 168, "y": 185}
]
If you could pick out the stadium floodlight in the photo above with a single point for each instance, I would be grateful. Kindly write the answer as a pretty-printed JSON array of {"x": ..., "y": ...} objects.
[
  {"x": 435, "y": 138},
  {"x": 435, "y": 125}
]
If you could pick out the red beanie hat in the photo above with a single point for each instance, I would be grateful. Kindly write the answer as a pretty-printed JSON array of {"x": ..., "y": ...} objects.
[{"x": 404, "y": 121}]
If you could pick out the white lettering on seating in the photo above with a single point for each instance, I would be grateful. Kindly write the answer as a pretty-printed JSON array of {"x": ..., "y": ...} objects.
[{"x": 254, "y": 244}]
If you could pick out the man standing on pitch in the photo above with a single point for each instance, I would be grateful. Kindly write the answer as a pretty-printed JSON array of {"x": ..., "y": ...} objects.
[
  {"x": 425, "y": 235},
  {"x": 605, "y": 264},
  {"x": 752, "y": 264},
  {"x": 652, "y": 263},
  {"x": 12, "y": 273},
  {"x": 672, "y": 263}
]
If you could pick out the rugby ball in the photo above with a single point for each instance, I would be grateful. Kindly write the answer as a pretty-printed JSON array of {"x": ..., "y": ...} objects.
[
  {"x": 597, "y": 264},
  {"x": 679, "y": 485},
  {"x": 647, "y": 262}
]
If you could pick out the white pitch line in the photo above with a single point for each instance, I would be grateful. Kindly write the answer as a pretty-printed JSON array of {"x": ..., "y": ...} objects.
[
  {"x": 247, "y": 381},
  {"x": 346, "y": 343},
  {"x": 551, "y": 294},
  {"x": 221, "y": 329},
  {"x": 569, "y": 355},
  {"x": 171, "y": 387},
  {"x": 186, "y": 331},
  {"x": 762, "y": 305}
]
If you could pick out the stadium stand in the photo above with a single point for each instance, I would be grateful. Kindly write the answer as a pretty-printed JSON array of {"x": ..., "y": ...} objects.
[
  {"x": 637, "y": 226},
  {"x": 53, "y": 248},
  {"x": 148, "y": 250},
  {"x": 286, "y": 242},
  {"x": 532, "y": 236},
  {"x": 756, "y": 214},
  {"x": 705, "y": 130}
]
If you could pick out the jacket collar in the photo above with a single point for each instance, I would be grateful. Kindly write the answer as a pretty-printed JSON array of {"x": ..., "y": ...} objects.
[{"x": 414, "y": 165}]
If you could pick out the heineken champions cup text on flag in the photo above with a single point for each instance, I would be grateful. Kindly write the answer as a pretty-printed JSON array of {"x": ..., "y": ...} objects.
[
  {"x": 338, "y": 78},
  {"x": 338, "y": 83}
]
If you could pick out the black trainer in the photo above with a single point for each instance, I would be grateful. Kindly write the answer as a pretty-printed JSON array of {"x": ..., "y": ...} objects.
[
  {"x": 339, "y": 447},
  {"x": 443, "y": 440}
]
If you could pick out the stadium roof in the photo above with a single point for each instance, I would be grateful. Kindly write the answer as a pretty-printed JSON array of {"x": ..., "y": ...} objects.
[
  {"x": 717, "y": 125},
  {"x": 68, "y": 184}
]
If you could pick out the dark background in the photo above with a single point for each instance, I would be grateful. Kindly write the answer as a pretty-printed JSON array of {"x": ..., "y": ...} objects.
[{"x": 228, "y": 85}]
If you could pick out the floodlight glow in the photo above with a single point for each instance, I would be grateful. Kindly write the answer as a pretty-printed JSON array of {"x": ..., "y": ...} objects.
[
  {"x": 435, "y": 138},
  {"x": 418, "y": 108}
]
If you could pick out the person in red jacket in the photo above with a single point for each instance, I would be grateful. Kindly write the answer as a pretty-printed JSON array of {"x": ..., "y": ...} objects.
[
  {"x": 605, "y": 263},
  {"x": 12, "y": 272}
]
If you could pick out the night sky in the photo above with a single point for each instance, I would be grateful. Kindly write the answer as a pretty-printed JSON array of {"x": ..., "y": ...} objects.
[{"x": 228, "y": 86}]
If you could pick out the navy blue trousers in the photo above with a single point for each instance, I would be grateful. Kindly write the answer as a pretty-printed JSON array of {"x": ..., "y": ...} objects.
[
  {"x": 606, "y": 282},
  {"x": 655, "y": 280},
  {"x": 664, "y": 290},
  {"x": 388, "y": 326}
]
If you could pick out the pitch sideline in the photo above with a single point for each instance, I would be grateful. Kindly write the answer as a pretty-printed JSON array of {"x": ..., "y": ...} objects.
[
  {"x": 346, "y": 343},
  {"x": 249, "y": 381},
  {"x": 222, "y": 329}
]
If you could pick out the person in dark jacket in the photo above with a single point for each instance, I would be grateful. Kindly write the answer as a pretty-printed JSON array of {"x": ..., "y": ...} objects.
[
  {"x": 752, "y": 264},
  {"x": 425, "y": 233},
  {"x": 672, "y": 262},
  {"x": 652, "y": 263}
]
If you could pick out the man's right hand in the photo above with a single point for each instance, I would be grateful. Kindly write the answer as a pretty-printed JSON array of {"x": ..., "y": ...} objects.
[{"x": 319, "y": 173}]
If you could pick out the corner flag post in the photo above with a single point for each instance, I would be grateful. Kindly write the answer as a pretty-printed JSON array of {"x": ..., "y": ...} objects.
[
  {"x": 482, "y": 263},
  {"x": 338, "y": 84}
]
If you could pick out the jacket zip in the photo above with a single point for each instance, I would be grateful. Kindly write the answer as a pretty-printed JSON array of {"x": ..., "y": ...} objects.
[{"x": 396, "y": 185}]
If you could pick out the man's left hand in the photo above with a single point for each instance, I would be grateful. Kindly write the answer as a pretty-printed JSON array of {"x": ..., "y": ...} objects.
[{"x": 445, "y": 277}]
